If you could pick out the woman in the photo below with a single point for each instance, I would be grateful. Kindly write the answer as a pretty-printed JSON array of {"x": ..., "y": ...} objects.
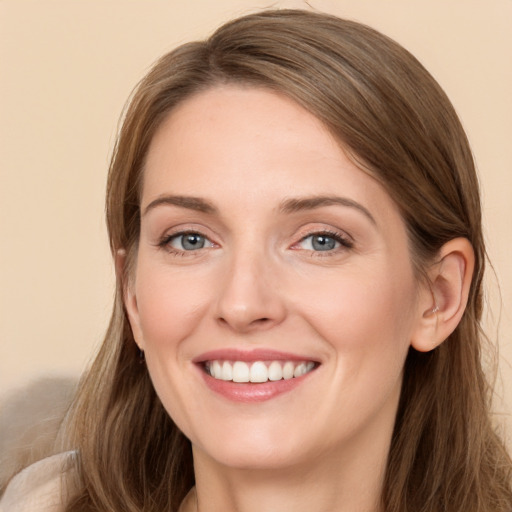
[{"x": 294, "y": 214}]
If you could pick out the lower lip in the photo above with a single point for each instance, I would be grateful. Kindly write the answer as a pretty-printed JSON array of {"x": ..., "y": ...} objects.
[{"x": 249, "y": 392}]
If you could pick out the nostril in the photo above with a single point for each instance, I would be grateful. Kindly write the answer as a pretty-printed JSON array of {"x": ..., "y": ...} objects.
[
  {"x": 260, "y": 321},
  {"x": 243, "y": 324},
  {"x": 255, "y": 321}
]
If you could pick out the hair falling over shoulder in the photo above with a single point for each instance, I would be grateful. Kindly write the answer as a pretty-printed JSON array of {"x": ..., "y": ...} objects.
[{"x": 399, "y": 126}]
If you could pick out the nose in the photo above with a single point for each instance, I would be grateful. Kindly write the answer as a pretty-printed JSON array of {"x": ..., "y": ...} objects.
[{"x": 250, "y": 297}]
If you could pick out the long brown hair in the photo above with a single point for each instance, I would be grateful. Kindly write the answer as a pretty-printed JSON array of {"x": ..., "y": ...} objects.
[{"x": 398, "y": 125}]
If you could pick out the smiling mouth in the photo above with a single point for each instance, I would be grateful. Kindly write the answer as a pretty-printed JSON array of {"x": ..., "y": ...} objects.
[{"x": 258, "y": 371}]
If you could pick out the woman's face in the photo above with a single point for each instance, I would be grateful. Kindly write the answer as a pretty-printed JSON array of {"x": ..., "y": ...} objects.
[{"x": 264, "y": 253}]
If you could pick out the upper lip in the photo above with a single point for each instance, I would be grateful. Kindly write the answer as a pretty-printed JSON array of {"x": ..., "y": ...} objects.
[{"x": 260, "y": 354}]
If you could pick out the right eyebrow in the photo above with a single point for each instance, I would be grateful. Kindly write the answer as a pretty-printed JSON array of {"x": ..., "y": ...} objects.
[{"x": 189, "y": 202}]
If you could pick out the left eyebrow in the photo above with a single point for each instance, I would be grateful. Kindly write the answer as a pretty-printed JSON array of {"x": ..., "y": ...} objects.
[{"x": 310, "y": 203}]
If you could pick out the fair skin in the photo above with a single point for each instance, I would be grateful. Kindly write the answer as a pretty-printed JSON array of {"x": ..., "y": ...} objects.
[{"x": 261, "y": 241}]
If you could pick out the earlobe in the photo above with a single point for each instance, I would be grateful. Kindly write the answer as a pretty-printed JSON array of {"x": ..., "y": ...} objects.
[
  {"x": 129, "y": 297},
  {"x": 442, "y": 308}
]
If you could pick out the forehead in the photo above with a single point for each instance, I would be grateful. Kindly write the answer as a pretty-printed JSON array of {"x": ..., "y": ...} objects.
[
  {"x": 244, "y": 142},
  {"x": 234, "y": 123}
]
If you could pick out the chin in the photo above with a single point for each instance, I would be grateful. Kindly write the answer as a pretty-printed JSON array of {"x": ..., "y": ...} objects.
[
  {"x": 251, "y": 456},
  {"x": 252, "y": 445}
]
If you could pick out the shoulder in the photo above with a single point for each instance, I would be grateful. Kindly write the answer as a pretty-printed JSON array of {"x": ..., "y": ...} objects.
[{"x": 41, "y": 487}]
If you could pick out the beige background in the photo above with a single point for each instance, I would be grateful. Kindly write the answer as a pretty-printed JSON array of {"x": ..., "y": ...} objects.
[{"x": 66, "y": 68}]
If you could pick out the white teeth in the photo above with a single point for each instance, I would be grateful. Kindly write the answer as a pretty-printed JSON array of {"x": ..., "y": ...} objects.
[
  {"x": 257, "y": 372},
  {"x": 275, "y": 371},
  {"x": 240, "y": 372},
  {"x": 288, "y": 370},
  {"x": 217, "y": 370},
  {"x": 227, "y": 371},
  {"x": 300, "y": 370}
]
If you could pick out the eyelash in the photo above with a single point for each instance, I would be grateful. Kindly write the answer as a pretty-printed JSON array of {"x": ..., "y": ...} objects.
[
  {"x": 165, "y": 243},
  {"x": 343, "y": 240}
]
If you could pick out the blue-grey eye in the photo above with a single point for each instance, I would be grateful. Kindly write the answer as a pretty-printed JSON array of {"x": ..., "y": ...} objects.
[
  {"x": 189, "y": 242},
  {"x": 320, "y": 242},
  {"x": 323, "y": 243}
]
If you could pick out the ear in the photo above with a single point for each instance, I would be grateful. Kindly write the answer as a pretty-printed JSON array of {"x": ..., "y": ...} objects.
[
  {"x": 443, "y": 304},
  {"x": 129, "y": 298}
]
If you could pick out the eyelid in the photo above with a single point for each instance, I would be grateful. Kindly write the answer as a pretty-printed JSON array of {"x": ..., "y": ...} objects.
[
  {"x": 341, "y": 237},
  {"x": 182, "y": 228},
  {"x": 344, "y": 240},
  {"x": 177, "y": 236},
  {"x": 164, "y": 241}
]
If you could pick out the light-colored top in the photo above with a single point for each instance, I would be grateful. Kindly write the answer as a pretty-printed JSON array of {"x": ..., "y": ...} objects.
[
  {"x": 42, "y": 487},
  {"x": 46, "y": 486}
]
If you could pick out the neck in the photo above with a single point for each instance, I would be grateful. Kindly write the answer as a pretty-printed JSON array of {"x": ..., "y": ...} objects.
[{"x": 347, "y": 481}]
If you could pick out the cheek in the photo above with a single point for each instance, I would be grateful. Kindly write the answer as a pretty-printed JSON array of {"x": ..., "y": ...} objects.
[
  {"x": 367, "y": 318},
  {"x": 170, "y": 307},
  {"x": 169, "y": 304}
]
